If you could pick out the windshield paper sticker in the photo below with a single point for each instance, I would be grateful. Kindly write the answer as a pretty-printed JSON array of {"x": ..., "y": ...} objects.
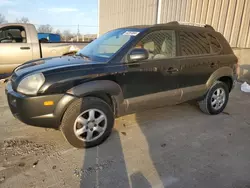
[{"x": 131, "y": 33}]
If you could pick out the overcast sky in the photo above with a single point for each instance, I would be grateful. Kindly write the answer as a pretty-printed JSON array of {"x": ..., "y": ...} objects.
[{"x": 61, "y": 14}]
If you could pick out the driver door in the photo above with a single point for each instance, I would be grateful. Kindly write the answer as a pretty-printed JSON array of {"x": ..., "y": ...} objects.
[
  {"x": 14, "y": 49},
  {"x": 153, "y": 82}
]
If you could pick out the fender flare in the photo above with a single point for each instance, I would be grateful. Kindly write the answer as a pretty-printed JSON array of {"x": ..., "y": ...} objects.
[
  {"x": 101, "y": 86},
  {"x": 221, "y": 72}
]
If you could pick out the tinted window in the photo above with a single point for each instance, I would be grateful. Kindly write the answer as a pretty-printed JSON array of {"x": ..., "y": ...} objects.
[
  {"x": 160, "y": 44},
  {"x": 215, "y": 45},
  {"x": 193, "y": 43},
  {"x": 12, "y": 35}
]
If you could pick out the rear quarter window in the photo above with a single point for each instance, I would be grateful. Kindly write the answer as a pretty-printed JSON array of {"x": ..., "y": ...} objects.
[
  {"x": 193, "y": 43},
  {"x": 214, "y": 44}
]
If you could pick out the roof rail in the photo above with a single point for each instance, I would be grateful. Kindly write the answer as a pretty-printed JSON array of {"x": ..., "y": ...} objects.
[{"x": 192, "y": 24}]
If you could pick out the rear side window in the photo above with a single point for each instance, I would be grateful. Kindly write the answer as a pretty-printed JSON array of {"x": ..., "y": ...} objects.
[
  {"x": 214, "y": 43},
  {"x": 193, "y": 43}
]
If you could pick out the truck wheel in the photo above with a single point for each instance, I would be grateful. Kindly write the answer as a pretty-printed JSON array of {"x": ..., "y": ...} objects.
[
  {"x": 87, "y": 122},
  {"x": 216, "y": 99}
]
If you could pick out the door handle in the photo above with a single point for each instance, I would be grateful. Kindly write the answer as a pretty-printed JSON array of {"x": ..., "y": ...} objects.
[
  {"x": 25, "y": 48},
  {"x": 172, "y": 70}
]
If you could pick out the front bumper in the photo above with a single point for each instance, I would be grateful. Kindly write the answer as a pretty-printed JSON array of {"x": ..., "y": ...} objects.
[{"x": 32, "y": 111}]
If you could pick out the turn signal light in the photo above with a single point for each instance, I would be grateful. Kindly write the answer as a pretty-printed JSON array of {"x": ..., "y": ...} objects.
[{"x": 48, "y": 103}]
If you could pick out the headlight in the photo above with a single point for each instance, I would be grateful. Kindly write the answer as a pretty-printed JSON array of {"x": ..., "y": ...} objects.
[{"x": 31, "y": 84}]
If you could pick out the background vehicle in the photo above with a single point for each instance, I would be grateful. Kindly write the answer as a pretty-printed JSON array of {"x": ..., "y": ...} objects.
[
  {"x": 19, "y": 43},
  {"x": 49, "y": 37},
  {"x": 124, "y": 71}
]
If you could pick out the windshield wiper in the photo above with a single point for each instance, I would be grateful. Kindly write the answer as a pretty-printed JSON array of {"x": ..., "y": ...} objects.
[{"x": 83, "y": 56}]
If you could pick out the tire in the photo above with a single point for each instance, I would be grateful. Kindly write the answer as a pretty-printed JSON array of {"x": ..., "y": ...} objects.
[
  {"x": 79, "y": 106},
  {"x": 206, "y": 104}
]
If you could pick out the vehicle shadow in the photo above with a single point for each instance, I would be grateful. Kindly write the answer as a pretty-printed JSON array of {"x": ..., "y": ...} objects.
[
  {"x": 113, "y": 164},
  {"x": 139, "y": 180},
  {"x": 167, "y": 154},
  {"x": 104, "y": 165}
]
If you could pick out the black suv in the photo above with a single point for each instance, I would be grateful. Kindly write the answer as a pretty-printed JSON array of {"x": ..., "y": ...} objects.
[{"x": 123, "y": 71}]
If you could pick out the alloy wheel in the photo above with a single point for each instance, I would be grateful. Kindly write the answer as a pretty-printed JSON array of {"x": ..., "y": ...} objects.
[{"x": 90, "y": 125}]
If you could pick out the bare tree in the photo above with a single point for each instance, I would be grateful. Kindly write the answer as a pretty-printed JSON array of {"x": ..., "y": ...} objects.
[
  {"x": 66, "y": 35},
  {"x": 2, "y": 19},
  {"x": 23, "y": 20},
  {"x": 58, "y": 32},
  {"x": 45, "y": 29}
]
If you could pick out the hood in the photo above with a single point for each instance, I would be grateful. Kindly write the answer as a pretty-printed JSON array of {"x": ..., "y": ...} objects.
[{"x": 50, "y": 64}]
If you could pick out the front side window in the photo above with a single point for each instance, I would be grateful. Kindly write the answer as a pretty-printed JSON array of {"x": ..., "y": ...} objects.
[
  {"x": 159, "y": 44},
  {"x": 13, "y": 34},
  {"x": 103, "y": 48},
  {"x": 193, "y": 43}
]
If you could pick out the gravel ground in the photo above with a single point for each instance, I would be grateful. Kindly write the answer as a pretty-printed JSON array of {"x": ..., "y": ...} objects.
[{"x": 166, "y": 147}]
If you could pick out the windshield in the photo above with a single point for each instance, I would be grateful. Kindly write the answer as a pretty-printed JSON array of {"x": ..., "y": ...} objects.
[{"x": 103, "y": 48}]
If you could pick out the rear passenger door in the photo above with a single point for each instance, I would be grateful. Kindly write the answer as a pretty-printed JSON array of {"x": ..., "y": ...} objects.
[{"x": 197, "y": 59}]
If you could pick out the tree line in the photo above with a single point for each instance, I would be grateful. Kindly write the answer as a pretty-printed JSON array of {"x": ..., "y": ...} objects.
[{"x": 65, "y": 34}]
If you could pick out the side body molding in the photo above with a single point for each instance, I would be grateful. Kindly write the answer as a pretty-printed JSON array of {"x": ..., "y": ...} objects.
[{"x": 194, "y": 92}]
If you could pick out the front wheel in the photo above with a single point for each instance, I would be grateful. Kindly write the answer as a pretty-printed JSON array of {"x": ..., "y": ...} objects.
[
  {"x": 87, "y": 122},
  {"x": 216, "y": 99}
]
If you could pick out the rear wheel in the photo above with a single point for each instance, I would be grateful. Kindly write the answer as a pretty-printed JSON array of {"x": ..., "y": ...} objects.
[
  {"x": 87, "y": 122},
  {"x": 216, "y": 99}
]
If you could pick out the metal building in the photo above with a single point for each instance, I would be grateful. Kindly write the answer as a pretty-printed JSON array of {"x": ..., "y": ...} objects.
[{"x": 230, "y": 17}]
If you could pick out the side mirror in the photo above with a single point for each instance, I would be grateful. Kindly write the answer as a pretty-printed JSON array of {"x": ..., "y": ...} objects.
[{"x": 138, "y": 54}]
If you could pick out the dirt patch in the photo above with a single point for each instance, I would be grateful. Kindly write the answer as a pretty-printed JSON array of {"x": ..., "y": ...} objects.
[
  {"x": 18, "y": 155},
  {"x": 83, "y": 173},
  {"x": 23, "y": 147}
]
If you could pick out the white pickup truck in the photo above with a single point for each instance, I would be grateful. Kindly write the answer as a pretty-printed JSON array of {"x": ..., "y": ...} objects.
[{"x": 19, "y": 43}]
